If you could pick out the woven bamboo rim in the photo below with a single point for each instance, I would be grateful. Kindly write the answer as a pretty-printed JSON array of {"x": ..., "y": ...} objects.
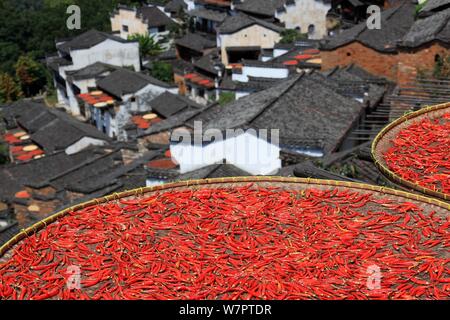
[
  {"x": 195, "y": 183},
  {"x": 398, "y": 123}
]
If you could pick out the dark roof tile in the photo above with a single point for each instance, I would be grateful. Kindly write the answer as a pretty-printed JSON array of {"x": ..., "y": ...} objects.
[
  {"x": 87, "y": 40},
  {"x": 153, "y": 17},
  {"x": 123, "y": 81},
  {"x": 196, "y": 42},
  {"x": 241, "y": 21},
  {"x": 395, "y": 23}
]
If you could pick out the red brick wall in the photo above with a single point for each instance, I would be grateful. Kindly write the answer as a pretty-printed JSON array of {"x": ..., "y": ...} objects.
[
  {"x": 422, "y": 58},
  {"x": 381, "y": 64},
  {"x": 401, "y": 67}
]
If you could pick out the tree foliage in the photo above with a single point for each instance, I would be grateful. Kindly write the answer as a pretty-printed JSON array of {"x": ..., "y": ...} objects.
[
  {"x": 30, "y": 74},
  {"x": 226, "y": 97},
  {"x": 291, "y": 35},
  {"x": 148, "y": 45},
  {"x": 30, "y": 27},
  {"x": 442, "y": 67},
  {"x": 162, "y": 71},
  {"x": 9, "y": 89}
]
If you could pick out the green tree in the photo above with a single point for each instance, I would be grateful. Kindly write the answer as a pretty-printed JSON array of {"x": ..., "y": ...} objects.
[
  {"x": 9, "y": 89},
  {"x": 148, "y": 45},
  {"x": 292, "y": 35},
  {"x": 442, "y": 67},
  {"x": 226, "y": 97},
  {"x": 162, "y": 71},
  {"x": 30, "y": 74}
]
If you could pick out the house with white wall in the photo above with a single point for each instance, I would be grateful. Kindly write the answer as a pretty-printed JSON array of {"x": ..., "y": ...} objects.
[
  {"x": 119, "y": 95},
  {"x": 243, "y": 37},
  {"x": 306, "y": 16},
  {"x": 243, "y": 149},
  {"x": 304, "y": 114},
  {"x": 145, "y": 20},
  {"x": 86, "y": 50}
]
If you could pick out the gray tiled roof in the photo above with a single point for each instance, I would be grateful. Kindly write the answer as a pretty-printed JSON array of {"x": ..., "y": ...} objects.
[
  {"x": 91, "y": 71},
  {"x": 87, "y": 40},
  {"x": 238, "y": 22},
  {"x": 434, "y": 5},
  {"x": 168, "y": 104},
  {"x": 153, "y": 17},
  {"x": 123, "y": 81},
  {"x": 175, "y": 6},
  {"x": 196, "y": 42},
  {"x": 50, "y": 128},
  {"x": 261, "y": 7},
  {"x": 395, "y": 23},
  {"x": 212, "y": 15},
  {"x": 303, "y": 108},
  {"x": 431, "y": 28}
]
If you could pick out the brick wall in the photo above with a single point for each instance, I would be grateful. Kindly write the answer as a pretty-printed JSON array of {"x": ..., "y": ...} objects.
[
  {"x": 401, "y": 67},
  {"x": 422, "y": 58},
  {"x": 373, "y": 61}
]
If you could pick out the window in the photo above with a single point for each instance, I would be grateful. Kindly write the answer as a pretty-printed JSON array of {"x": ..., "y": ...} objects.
[
  {"x": 311, "y": 29},
  {"x": 125, "y": 28},
  {"x": 162, "y": 29},
  {"x": 348, "y": 54},
  {"x": 265, "y": 35},
  {"x": 133, "y": 99}
]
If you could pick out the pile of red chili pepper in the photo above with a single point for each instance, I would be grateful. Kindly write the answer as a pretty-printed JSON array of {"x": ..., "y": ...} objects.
[
  {"x": 240, "y": 242},
  {"x": 420, "y": 154}
]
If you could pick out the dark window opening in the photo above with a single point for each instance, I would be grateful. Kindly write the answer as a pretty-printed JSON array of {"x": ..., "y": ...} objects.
[
  {"x": 238, "y": 55},
  {"x": 125, "y": 28},
  {"x": 311, "y": 29},
  {"x": 348, "y": 54}
]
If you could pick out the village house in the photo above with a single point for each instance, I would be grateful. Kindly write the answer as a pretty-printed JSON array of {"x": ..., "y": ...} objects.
[
  {"x": 306, "y": 16},
  {"x": 312, "y": 116},
  {"x": 209, "y": 14},
  {"x": 201, "y": 82},
  {"x": 82, "y": 54},
  {"x": 251, "y": 76},
  {"x": 145, "y": 20},
  {"x": 174, "y": 8},
  {"x": 167, "y": 105},
  {"x": 34, "y": 131},
  {"x": 193, "y": 46},
  {"x": 117, "y": 96},
  {"x": 402, "y": 48},
  {"x": 243, "y": 37}
]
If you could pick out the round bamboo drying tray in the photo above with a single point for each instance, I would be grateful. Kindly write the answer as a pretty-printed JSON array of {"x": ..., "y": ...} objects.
[
  {"x": 382, "y": 143},
  {"x": 31, "y": 147},
  {"x": 284, "y": 182}
]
